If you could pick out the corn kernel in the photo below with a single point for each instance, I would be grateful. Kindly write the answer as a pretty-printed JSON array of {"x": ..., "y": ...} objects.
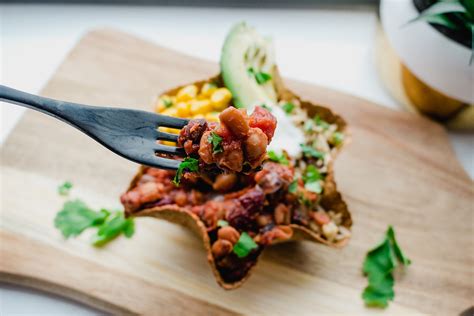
[
  {"x": 220, "y": 99},
  {"x": 201, "y": 107},
  {"x": 183, "y": 109},
  {"x": 187, "y": 93},
  {"x": 163, "y": 103},
  {"x": 169, "y": 130},
  {"x": 208, "y": 89},
  {"x": 167, "y": 143},
  {"x": 212, "y": 117},
  {"x": 198, "y": 116},
  {"x": 170, "y": 112}
]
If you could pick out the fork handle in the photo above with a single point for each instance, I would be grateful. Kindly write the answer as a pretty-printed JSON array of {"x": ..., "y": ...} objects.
[{"x": 59, "y": 109}]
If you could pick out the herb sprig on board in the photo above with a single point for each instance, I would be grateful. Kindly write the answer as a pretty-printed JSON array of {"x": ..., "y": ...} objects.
[{"x": 379, "y": 265}]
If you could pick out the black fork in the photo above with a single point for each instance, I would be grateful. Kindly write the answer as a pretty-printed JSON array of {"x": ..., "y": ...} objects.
[{"x": 132, "y": 134}]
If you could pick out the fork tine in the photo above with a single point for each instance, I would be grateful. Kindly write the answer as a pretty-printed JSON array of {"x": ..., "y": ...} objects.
[
  {"x": 163, "y": 163},
  {"x": 167, "y": 136},
  {"x": 172, "y": 150},
  {"x": 173, "y": 122}
]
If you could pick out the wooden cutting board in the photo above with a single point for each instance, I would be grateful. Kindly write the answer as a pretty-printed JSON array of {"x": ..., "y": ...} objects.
[{"x": 399, "y": 170}]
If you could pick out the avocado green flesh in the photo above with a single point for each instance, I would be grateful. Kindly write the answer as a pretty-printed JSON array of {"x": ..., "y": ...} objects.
[{"x": 245, "y": 48}]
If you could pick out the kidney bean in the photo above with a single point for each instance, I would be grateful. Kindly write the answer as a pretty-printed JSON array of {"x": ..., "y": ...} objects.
[
  {"x": 236, "y": 121},
  {"x": 232, "y": 158},
  {"x": 228, "y": 233},
  {"x": 205, "y": 149},
  {"x": 221, "y": 248},
  {"x": 255, "y": 145}
]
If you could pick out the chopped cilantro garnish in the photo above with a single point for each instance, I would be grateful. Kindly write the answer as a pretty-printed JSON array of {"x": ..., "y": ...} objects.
[
  {"x": 260, "y": 77},
  {"x": 244, "y": 246},
  {"x": 112, "y": 227},
  {"x": 309, "y": 151},
  {"x": 216, "y": 142},
  {"x": 167, "y": 103},
  {"x": 293, "y": 186},
  {"x": 314, "y": 186},
  {"x": 308, "y": 126},
  {"x": 337, "y": 138},
  {"x": 311, "y": 178},
  {"x": 320, "y": 122},
  {"x": 378, "y": 267},
  {"x": 266, "y": 107},
  {"x": 64, "y": 188},
  {"x": 288, "y": 107},
  {"x": 222, "y": 223},
  {"x": 76, "y": 216},
  {"x": 281, "y": 159},
  {"x": 312, "y": 174},
  {"x": 187, "y": 165}
]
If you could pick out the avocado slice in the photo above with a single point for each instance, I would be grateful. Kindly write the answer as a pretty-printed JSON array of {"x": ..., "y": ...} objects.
[{"x": 245, "y": 56}]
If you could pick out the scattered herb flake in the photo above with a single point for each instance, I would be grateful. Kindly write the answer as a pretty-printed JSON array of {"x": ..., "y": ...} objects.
[
  {"x": 64, "y": 188},
  {"x": 378, "y": 267},
  {"x": 75, "y": 217},
  {"x": 244, "y": 246},
  {"x": 281, "y": 159},
  {"x": 112, "y": 227},
  {"x": 337, "y": 138},
  {"x": 216, "y": 142},
  {"x": 189, "y": 164},
  {"x": 266, "y": 107},
  {"x": 222, "y": 223},
  {"x": 167, "y": 103},
  {"x": 314, "y": 187},
  {"x": 309, "y": 151},
  {"x": 260, "y": 77},
  {"x": 320, "y": 122},
  {"x": 293, "y": 186},
  {"x": 288, "y": 107},
  {"x": 312, "y": 174}
]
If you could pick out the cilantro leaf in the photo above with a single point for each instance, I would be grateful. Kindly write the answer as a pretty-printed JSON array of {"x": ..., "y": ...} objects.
[
  {"x": 293, "y": 186},
  {"x": 75, "y": 217},
  {"x": 312, "y": 174},
  {"x": 281, "y": 159},
  {"x": 187, "y": 165},
  {"x": 396, "y": 248},
  {"x": 167, "y": 103},
  {"x": 260, "y": 77},
  {"x": 378, "y": 267},
  {"x": 216, "y": 142},
  {"x": 222, "y": 223},
  {"x": 266, "y": 107},
  {"x": 113, "y": 227},
  {"x": 320, "y": 122},
  {"x": 314, "y": 187},
  {"x": 309, "y": 151},
  {"x": 64, "y": 188},
  {"x": 288, "y": 107},
  {"x": 244, "y": 246},
  {"x": 337, "y": 138}
]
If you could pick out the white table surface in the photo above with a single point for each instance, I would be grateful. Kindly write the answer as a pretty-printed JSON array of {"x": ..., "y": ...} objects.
[{"x": 330, "y": 47}]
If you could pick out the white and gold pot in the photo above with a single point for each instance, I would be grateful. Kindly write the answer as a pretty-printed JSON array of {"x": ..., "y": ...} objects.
[{"x": 424, "y": 69}]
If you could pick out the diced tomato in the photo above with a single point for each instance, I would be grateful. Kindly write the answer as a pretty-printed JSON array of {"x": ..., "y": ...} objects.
[
  {"x": 321, "y": 218},
  {"x": 264, "y": 120}
]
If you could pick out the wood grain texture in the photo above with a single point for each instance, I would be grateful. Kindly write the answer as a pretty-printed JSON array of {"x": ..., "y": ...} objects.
[{"x": 399, "y": 169}]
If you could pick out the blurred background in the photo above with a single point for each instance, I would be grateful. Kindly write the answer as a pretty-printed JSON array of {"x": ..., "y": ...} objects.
[{"x": 339, "y": 44}]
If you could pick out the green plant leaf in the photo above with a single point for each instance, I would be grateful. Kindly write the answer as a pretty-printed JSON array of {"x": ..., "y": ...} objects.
[
  {"x": 309, "y": 151},
  {"x": 314, "y": 187},
  {"x": 288, "y": 107},
  {"x": 396, "y": 248},
  {"x": 469, "y": 6},
  {"x": 281, "y": 159},
  {"x": 435, "y": 13},
  {"x": 222, "y": 223}
]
